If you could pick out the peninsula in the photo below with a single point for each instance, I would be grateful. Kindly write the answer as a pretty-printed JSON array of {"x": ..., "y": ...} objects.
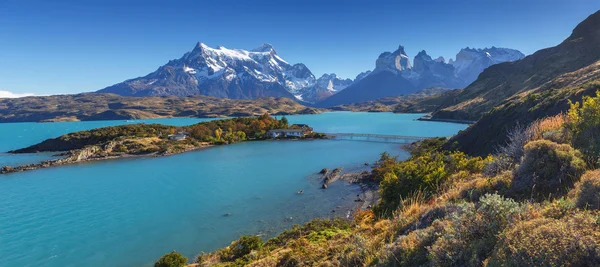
[{"x": 158, "y": 140}]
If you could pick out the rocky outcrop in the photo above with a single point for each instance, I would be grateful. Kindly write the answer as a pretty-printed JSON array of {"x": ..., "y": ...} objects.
[{"x": 331, "y": 177}]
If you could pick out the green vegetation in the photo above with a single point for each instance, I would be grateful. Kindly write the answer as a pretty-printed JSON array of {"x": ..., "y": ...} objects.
[
  {"x": 584, "y": 124},
  {"x": 173, "y": 259},
  {"x": 148, "y": 139},
  {"x": 528, "y": 205}
]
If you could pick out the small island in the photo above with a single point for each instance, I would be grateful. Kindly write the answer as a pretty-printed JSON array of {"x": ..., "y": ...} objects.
[{"x": 159, "y": 140}]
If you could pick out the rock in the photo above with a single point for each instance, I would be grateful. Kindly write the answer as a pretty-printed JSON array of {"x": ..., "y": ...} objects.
[
  {"x": 324, "y": 171},
  {"x": 6, "y": 169},
  {"x": 324, "y": 186},
  {"x": 333, "y": 176}
]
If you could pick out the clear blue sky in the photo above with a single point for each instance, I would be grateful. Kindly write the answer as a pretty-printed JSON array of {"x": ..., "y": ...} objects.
[{"x": 76, "y": 46}]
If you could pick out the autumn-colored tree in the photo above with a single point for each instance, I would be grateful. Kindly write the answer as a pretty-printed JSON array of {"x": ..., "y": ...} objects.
[{"x": 218, "y": 133}]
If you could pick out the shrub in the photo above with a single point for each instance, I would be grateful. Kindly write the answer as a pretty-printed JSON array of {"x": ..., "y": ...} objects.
[
  {"x": 584, "y": 125},
  {"x": 411, "y": 249},
  {"x": 173, "y": 259},
  {"x": 472, "y": 234},
  {"x": 571, "y": 241},
  {"x": 425, "y": 173},
  {"x": 587, "y": 191},
  {"x": 241, "y": 247},
  {"x": 474, "y": 189},
  {"x": 547, "y": 169}
]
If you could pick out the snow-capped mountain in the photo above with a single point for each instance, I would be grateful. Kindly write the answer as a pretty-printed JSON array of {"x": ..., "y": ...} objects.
[
  {"x": 223, "y": 72},
  {"x": 470, "y": 62},
  {"x": 326, "y": 86},
  {"x": 394, "y": 75},
  {"x": 332, "y": 82}
]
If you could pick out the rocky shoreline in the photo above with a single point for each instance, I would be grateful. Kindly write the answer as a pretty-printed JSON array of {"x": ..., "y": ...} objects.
[
  {"x": 88, "y": 154},
  {"x": 369, "y": 189}
]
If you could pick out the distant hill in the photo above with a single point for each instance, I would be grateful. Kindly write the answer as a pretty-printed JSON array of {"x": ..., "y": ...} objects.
[{"x": 93, "y": 106}]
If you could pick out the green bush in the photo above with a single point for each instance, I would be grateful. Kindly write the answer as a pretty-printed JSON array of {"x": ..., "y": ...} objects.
[
  {"x": 547, "y": 170},
  {"x": 473, "y": 190},
  {"x": 173, "y": 259},
  {"x": 425, "y": 173},
  {"x": 571, "y": 241},
  {"x": 584, "y": 125},
  {"x": 241, "y": 248},
  {"x": 587, "y": 191},
  {"x": 472, "y": 233}
]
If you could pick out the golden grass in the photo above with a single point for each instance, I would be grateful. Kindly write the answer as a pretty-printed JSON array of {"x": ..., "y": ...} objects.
[{"x": 548, "y": 124}]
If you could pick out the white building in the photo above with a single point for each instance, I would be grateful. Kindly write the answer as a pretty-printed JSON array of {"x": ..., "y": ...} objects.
[{"x": 286, "y": 133}]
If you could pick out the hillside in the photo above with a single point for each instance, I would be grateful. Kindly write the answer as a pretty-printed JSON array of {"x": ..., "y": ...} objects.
[
  {"x": 502, "y": 81},
  {"x": 424, "y": 101},
  {"x": 550, "y": 99},
  {"x": 92, "y": 106}
]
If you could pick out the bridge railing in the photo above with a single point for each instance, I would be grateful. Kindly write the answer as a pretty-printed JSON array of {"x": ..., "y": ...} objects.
[{"x": 370, "y": 137}]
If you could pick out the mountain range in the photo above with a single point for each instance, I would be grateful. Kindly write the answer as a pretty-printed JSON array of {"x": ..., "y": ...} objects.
[
  {"x": 394, "y": 75},
  {"x": 261, "y": 72}
]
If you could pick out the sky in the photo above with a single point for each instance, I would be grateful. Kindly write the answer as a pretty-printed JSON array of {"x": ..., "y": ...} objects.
[{"x": 60, "y": 46}]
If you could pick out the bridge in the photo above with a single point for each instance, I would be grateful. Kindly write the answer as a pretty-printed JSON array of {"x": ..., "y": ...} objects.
[{"x": 375, "y": 137}]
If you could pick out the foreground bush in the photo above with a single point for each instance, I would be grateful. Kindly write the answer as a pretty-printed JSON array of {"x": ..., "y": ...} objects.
[
  {"x": 424, "y": 173},
  {"x": 547, "y": 169},
  {"x": 241, "y": 248},
  {"x": 173, "y": 259},
  {"x": 584, "y": 125},
  {"x": 571, "y": 241},
  {"x": 587, "y": 191},
  {"x": 470, "y": 236}
]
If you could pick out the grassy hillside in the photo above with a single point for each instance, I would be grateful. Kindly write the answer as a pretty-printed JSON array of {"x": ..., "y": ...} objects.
[
  {"x": 503, "y": 81},
  {"x": 92, "y": 106}
]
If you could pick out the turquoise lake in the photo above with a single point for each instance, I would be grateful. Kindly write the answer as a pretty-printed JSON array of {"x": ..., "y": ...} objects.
[{"x": 129, "y": 212}]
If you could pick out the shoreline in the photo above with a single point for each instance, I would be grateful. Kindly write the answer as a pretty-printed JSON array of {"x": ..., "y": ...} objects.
[
  {"x": 73, "y": 156},
  {"x": 425, "y": 118},
  {"x": 72, "y": 159}
]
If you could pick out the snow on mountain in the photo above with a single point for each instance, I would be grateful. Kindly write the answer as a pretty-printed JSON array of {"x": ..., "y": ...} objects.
[
  {"x": 223, "y": 72},
  {"x": 393, "y": 61},
  {"x": 470, "y": 62},
  {"x": 332, "y": 82},
  {"x": 394, "y": 75}
]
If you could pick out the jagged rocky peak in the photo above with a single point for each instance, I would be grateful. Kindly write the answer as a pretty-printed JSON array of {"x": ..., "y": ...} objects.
[
  {"x": 362, "y": 75},
  {"x": 420, "y": 61},
  {"x": 265, "y": 47},
  {"x": 223, "y": 72},
  {"x": 440, "y": 59},
  {"x": 393, "y": 61},
  {"x": 300, "y": 70},
  {"x": 332, "y": 82},
  {"x": 470, "y": 62}
]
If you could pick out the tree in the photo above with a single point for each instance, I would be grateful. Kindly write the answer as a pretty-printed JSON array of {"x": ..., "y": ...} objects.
[
  {"x": 218, "y": 133},
  {"x": 173, "y": 259},
  {"x": 584, "y": 124},
  {"x": 284, "y": 122}
]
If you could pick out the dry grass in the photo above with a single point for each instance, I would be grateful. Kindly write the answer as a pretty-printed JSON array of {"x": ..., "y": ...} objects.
[{"x": 548, "y": 125}]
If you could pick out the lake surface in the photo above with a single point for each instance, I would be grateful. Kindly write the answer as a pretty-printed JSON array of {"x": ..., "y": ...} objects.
[{"x": 129, "y": 212}]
